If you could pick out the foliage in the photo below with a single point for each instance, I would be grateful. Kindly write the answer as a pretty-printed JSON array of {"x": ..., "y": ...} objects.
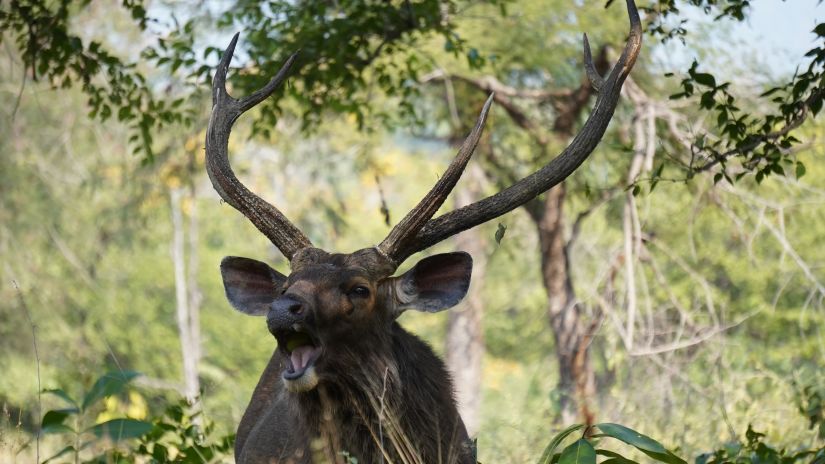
[
  {"x": 811, "y": 404},
  {"x": 763, "y": 144},
  {"x": 376, "y": 48},
  {"x": 181, "y": 434},
  {"x": 75, "y": 422},
  {"x": 663, "y": 10},
  {"x": 341, "y": 44},
  {"x": 113, "y": 86},
  {"x": 84, "y": 229},
  {"x": 585, "y": 449},
  {"x": 325, "y": 78},
  {"x": 754, "y": 450}
]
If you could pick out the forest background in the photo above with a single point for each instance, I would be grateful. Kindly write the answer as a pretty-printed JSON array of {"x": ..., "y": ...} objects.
[{"x": 684, "y": 256}]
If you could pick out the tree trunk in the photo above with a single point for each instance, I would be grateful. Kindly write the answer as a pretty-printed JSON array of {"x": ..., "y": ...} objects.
[
  {"x": 577, "y": 385},
  {"x": 194, "y": 291},
  {"x": 189, "y": 350},
  {"x": 465, "y": 338},
  {"x": 576, "y": 379}
]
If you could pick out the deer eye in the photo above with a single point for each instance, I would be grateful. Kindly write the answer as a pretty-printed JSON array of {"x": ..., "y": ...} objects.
[{"x": 360, "y": 291}]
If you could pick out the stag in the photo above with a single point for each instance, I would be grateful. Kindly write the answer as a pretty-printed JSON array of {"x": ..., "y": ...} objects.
[{"x": 346, "y": 379}]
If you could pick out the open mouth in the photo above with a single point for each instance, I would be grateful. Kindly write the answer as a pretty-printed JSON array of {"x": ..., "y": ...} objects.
[{"x": 302, "y": 352}]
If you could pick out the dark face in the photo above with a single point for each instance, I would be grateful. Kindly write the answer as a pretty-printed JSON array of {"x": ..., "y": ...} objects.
[{"x": 336, "y": 303}]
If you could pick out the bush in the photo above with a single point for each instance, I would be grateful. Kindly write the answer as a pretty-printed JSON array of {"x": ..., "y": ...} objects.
[{"x": 181, "y": 435}]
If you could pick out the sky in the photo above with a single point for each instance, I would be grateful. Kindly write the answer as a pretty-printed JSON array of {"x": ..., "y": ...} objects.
[
  {"x": 776, "y": 34},
  {"x": 790, "y": 21},
  {"x": 784, "y": 27},
  {"x": 779, "y": 30}
]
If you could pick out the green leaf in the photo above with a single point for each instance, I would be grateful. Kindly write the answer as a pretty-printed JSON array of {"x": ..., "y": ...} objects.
[
  {"x": 816, "y": 106},
  {"x": 63, "y": 452},
  {"x": 500, "y": 232},
  {"x": 56, "y": 429},
  {"x": 707, "y": 100},
  {"x": 124, "y": 113},
  {"x": 580, "y": 452},
  {"x": 109, "y": 384},
  {"x": 778, "y": 169},
  {"x": 819, "y": 29},
  {"x": 770, "y": 92},
  {"x": 615, "y": 458},
  {"x": 54, "y": 418},
  {"x": 160, "y": 453},
  {"x": 658, "y": 171},
  {"x": 53, "y": 421},
  {"x": 643, "y": 443},
  {"x": 722, "y": 118},
  {"x": 618, "y": 460},
  {"x": 547, "y": 455},
  {"x": 631, "y": 437},
  {"x": 800, "y": 169},
  {"x": 473, "y": 57},
  {"x": 705, "y": 79},
  {"x": 800, "y": 87},
  {"x": 61, "y": 394},
  {"x": 121, "y": 429}
]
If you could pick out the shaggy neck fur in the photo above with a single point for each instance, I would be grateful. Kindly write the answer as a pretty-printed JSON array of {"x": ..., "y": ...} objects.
[{"x": 370, "y": 407}]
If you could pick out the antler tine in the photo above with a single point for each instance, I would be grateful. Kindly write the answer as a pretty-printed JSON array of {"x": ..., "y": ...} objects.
[
  {"x": 633, "y": 45},
  {"x": 404, "y": 231},
  {"x": 219, "y": 81},
  {"x": 629, "y": 54},
  {"x": 582, "y": 145},
  {"x": 225, "y": 111},
  {"x": 596, "y": 80}
]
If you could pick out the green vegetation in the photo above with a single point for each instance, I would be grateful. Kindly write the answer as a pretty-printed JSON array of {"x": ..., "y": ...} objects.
[
  {"x": 183, "y": 435},
  {"x": 727, "y": 269}
]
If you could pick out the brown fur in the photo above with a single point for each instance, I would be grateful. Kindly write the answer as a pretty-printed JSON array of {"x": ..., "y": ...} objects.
[
  {"x": 343, "y": 413},
  {"x": 383, "y": 396}
]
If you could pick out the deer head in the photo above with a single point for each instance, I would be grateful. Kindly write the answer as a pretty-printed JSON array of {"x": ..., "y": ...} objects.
[
  {"x": 332, "y": 302},
  {"x": 334, "y": 311}
]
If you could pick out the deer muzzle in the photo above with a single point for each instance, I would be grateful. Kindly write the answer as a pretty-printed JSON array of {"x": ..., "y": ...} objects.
[
  {"x": 286, "y": 321},
  {"x": 284, "y": 314}
]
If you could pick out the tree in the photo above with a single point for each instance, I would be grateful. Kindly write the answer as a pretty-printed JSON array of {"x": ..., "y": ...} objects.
[
  {"x": 339, "y": 79},
  {"x": 380, "y": 54},
  {"x": 464, "y": 344}
]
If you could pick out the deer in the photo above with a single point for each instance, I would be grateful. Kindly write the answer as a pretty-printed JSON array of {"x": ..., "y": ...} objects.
[{"x": 346, "y": 380}]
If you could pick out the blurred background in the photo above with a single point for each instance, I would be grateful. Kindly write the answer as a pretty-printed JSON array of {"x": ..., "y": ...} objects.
[{"x": 675, "y": 283}]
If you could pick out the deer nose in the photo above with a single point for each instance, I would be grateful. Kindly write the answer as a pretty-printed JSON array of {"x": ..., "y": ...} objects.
[{"x": 284, "y": 312}]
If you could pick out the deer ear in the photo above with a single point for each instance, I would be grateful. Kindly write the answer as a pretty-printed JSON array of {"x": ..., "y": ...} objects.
[
  {"x": 250, "y": 285},
  {"x": 436, "y": 283}
]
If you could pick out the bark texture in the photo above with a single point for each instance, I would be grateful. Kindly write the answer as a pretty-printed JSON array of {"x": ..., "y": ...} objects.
[{"x": 576, "y": 379}]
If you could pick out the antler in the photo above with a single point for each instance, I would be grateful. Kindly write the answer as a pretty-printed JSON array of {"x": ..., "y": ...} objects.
[
  {"x": 403, "y": 233},
  {"x": 418, "y": 231},
  {"x": 225, "y": 111}
]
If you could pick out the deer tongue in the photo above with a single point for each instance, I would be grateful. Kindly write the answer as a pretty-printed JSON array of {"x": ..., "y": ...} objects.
[{"x": 302, "y": 356}]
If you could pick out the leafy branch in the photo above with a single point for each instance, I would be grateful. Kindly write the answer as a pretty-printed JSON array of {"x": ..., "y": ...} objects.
[
  {"x": 114, "y": 87},
  {"x": 763, "y": 145}
]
